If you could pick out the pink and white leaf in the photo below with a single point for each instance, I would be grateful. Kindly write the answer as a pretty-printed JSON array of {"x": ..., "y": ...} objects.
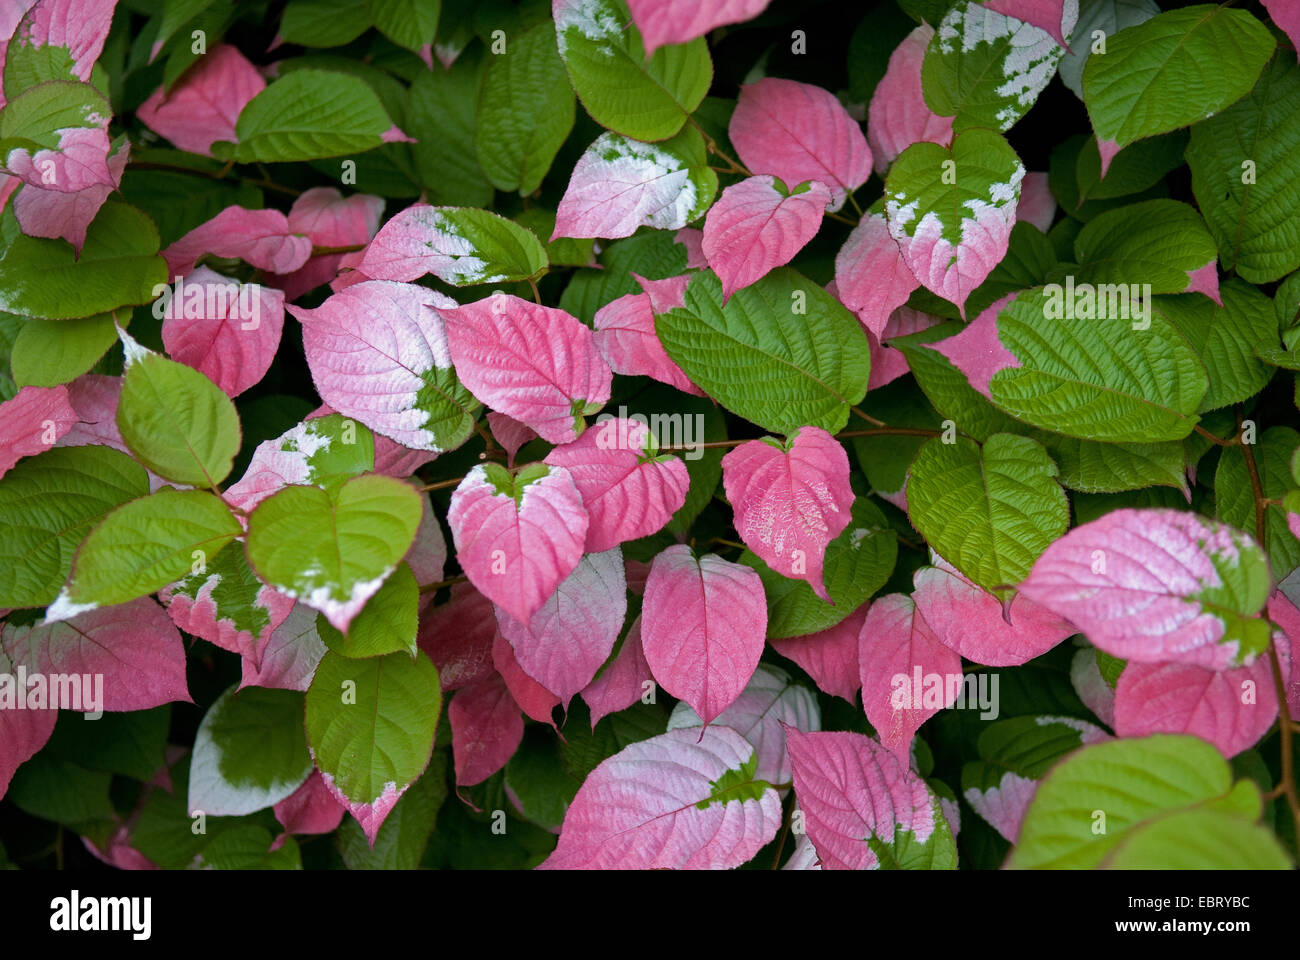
[
  {"x": 702, "y": 627},
  {"x": 1097, "y": 695},
  {"x": 55, "y": 214},
  {"x": 655, "y": 805},
  {"x": 328, "y": 219},
  {"x": 790, "y": 503},
  {"x": 286, "y": 659},
  {"x": 369, "y": 816},
  {"x": 898, "y": 115},
  {"x": 311, "y": 809},
  {"x": 79, "y": 160},
  {"x": 203, "y": 616},
  {"x": 80, "y": 26},
  {"x": 1055, "y": 17}
]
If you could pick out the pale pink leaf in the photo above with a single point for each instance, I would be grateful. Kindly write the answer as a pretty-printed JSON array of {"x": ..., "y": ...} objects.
[
  {"x": 486, "y": 729},
  {"x": 1004, "y": 806},
  {"x": 574, "y": 632},
  {"x": 533, "y": 698},
  {"x": 261, "y": 238},
  {"x": 829, "y": 656},
  {"x": 972, "y": 621},
  {"x": 1097, "y": 695},
  {"x": 790, "y": 500},
  {"x": 55, "y": 214},
  {"x": 428, "y": 553},
  {"x": 623, "y": 681},
  {"x": 756, "y": 226},
  {"x": 977, "y": 351},
  {"x": 1145, "y": 585},
  {"x": 375, "y": 349},
  {"x": 518, "y": 544},
  {"x": 798, "y": 131},
  {"x": 629, "y": 489},
  {"x": 286, "y": 659},
  {"x": 424, "y": 239},
  {"x": 133, "y": 646},
  {"x": 202, "y": 107},
  {"x": 226, "y": 330},
  {"x": 328, "y": 219},
  {"x": 1037, "y": 206},
  {"x": 510, "y": 433},
  {"x": 656, "y": 804},
  {"x": 888, "y": 363},
  {"x": 626, "y": 338},
  {"x": 851, "y": 791},
  {"x": 769, "y": 704},
  {"x": 1231, "y": 709},
  {"x": 693, "y": 240},
  {"x": 536, "y": 364},
  {"x": 458, "y": 637},
  {"x": 702, "y": 627},
  {"x": 1286, "y": 14},
  {"x": 908, "y": 674},
  {"x": 311, "y": 809},
  {"x": 663, "y": 22},
  {"x": 871, "y": 278},
  {"x": 898, "y": 115},
  {"x": 32, "y": 421}
]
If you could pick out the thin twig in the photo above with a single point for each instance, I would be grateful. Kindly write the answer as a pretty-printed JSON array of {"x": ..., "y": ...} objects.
[{"x": 431, "y": 587}]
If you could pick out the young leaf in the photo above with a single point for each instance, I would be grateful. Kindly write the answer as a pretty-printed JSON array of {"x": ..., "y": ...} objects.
[{"x": 681, "y": 800}]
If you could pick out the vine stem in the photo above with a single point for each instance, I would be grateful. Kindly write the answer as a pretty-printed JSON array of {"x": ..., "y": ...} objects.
[
  {"x": 1214, "y": 438},
  {"x": 785, "y": 832},
  {"x": 451, "y": 581},
  {"x": 1256, "y": 488},
  {"x": 347, "y": 248}
]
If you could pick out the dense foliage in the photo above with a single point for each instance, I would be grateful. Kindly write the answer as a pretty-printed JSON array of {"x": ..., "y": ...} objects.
[{"x": 649, "y": 433}]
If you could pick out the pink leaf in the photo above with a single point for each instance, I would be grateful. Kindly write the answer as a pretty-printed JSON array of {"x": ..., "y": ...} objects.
[
  {"x": 898, "y": 115},
  {"x": 574, "y": 632},
  {"x": 11, "y": 13},
  {"x": 1231, "y": 709},
  {"x": 1285, "y": 615},
  {"x": 887, "y": 363},
  {"x": 374, "y": 349},
  {"x": 458, "y": 637},
  {"x": 1048, "y": 15},
  {"x": 370, "y": 816},
  {"x": 1205, "y": 280},
  {"x": 518, "y": 539},
  {"x": 829, "y": 656},
  {"x": 22, "y": 731},
  {"x": 1286, "y": 14},
  {"x": 693, "y": 240},
  {"x": 32, "y": 421},
  {"x": 311, "y": 809},
  {"x": 93, "y": 398},
  {"x": 537, "y": 364},
  {"x": 226, "y": 330},
  {"x": 329, "y": 220},
  {"x": 204, "y": 104},
  {"x": 55, "y": 214},
  {"x": 908, "y": 674},
  {"x": 428, "y": 554},
  {"x": 1004, "y": 806},
  {"x": 758, "y": 225},
  {"x": 623, "y": 680},
  {"x": 205, "y": 617},
  {"x": 1144, "y": 585},
  {"x": 657, "y": 804},
  {"x": 971, "y": 620},
  {"x": 626, "y": 338},
  {"x": 679, "y": 21},
  {"x": 79, "y": 25},
  {"x": 287, "y": 658},
  {"x": 790, "y": 500},
  {"x": 510, "y": 433},
  {"x": 769, "y": 704},
  {"x": 486, "y": 729},
  {"x": 77, "y": 163},
  {"x": 261, "y": 238},
  {"x": 533, "y": 698},
  {"x": 702, "y": 626},
  {"x": 134, "y": 646},
  {"x": 851, "y": 790},
  {"x": 630, "y": 490},
  {"x": 977, "y": 351},
  {"x": 798, "y": 132},
  {"x": 871, "y": 278},
  {"x": 1037, "y": 206},
  {"x": 1092, "y": 688}
]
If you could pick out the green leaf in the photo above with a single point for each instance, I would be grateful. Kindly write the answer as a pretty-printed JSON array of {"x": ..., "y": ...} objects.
[
  {"x": 1157, "y": 242},
  {"x": 525, "y": 111},
  {"x": 1235, "y": 500},
  {"x": 324, "y": 23},
  {"x": 405, "y": 833},
  {"x": 565, "y": 251},
  {"x": 39, "y": 115},
  {"x": 1108, "y": 16},
  {"x": 874, "y": 39},
  {"x": 1225, "y": 338},
  {"x": 50, "y": 352},
  {"x": 133, "y": 744},
  {"x": 308, "y": 114},
  {"x": 1063, "y": 179},
  {"x": 248, "y": 847},
  {"x": 1200, "y": 840},
  {"x": 1132, "y": 784},
  {"x": 408, "y": 23},
  {"x": 48, "y": 503},
  {"x": 146, "y": 544},
  {"x": 781, "y": 353},
  {"x": 1025, "y": 746},
  {"x": 621, "y": 89},
  {"x": 654, "y": 255},
  {"x": 1246, "y": 175},
  {"x": 537, "y": 781},
  {"x": 336, "y": 448},
  {"x": 441, "y": 113},
  {"x": 331, "y": 547},
  {"x": 371, "y": 722},
  {"x": 1099, "y": 380},
  {"x": 173, "y": 15},
  {"x": 61, "y": 791},
  {"x": 1153, "y": 78},
  {"x": 118, "y": 266},
  {"x": 249, "y": 753},
  {"x": 176, "y": 421},
  {"x": 986, "y": 69},
  {"x": 1028, "y": 263},
  {"x": 1137, "y": 167},
  {"x": 858, "y": 562},
  {"x": 906, "y": 852},
  {"x": 507, "y": 251},
  {"x": 386, "y": 624},
  {"x": 1094, "y": 467},
  {"x": 27, "y": 65},
  {"x": 234, "y": 591},
  {"x": 989, "y": 512}
]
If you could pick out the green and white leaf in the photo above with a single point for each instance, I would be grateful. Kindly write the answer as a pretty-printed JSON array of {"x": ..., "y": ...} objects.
[
  {"x": 1108, "y": 16},
  {"x": 386, "y": 624}
]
